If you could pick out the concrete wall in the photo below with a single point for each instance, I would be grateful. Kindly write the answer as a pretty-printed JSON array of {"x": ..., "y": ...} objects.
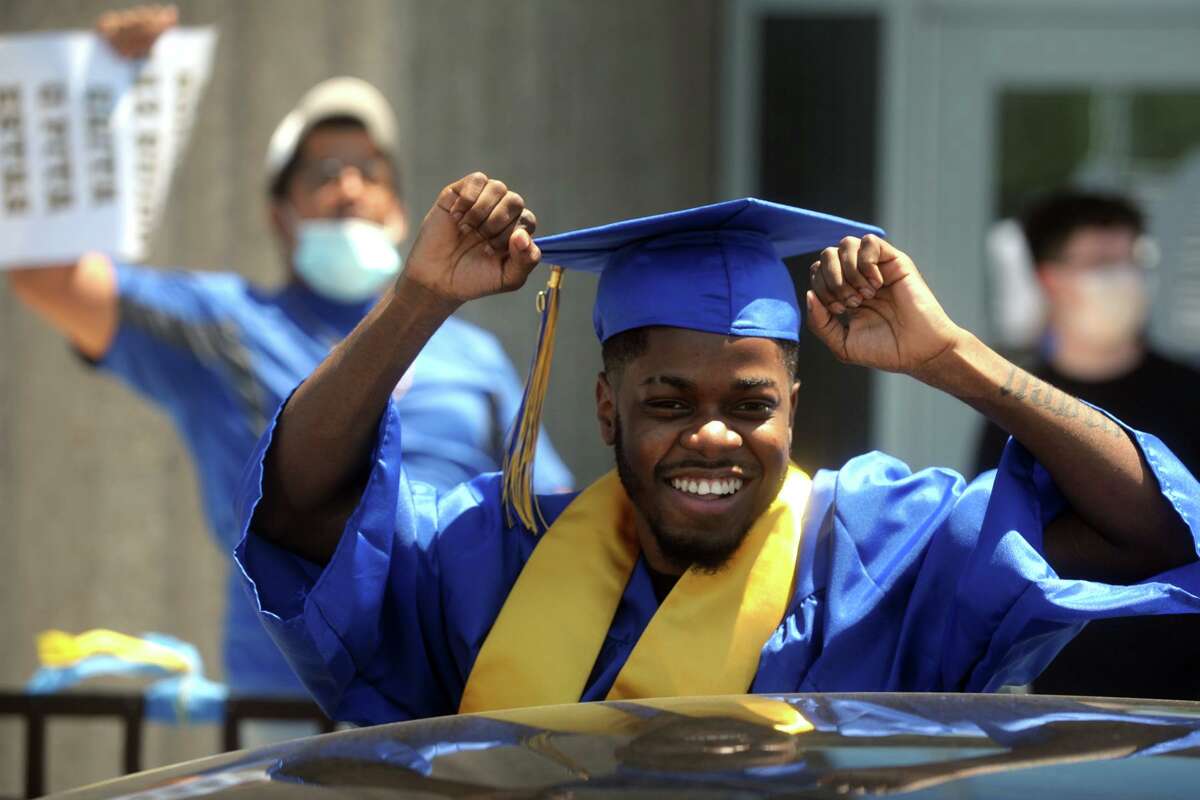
[{"x": 593, "y": 111}]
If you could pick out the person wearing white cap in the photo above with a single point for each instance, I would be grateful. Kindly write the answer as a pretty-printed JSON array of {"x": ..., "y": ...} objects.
[
  {"x": 340, "y": 243},
  {"x": 219, "y": 354}
]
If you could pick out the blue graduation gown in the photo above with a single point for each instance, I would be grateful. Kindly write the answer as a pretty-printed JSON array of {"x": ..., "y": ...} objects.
[
  {"x": 905, "y": 582},
  {"x": 218, "y": 355}
]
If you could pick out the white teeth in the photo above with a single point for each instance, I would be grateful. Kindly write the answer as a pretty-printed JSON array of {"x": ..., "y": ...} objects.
[{"x": 707, "y": 487}]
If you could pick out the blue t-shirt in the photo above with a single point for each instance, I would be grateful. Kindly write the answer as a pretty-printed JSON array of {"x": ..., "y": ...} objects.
[
  {"x": 904, "y": 582},
  {"x": 219, "y": 355}
]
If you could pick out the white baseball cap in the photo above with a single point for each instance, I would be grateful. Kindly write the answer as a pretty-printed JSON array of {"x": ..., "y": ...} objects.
[{"x": 337, "y": 97}]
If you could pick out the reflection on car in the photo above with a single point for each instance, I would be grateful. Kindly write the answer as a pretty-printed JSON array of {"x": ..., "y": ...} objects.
[{"x": 812, "y": 745}]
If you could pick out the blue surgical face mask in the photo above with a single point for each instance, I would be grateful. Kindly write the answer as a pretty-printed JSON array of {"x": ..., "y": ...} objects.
[{"x": 346, "y": 260}]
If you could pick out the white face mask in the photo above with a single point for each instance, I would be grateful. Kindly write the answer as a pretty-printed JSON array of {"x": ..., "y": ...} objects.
[
  {"x": 346, "y": 260},
  {"x": 1104, "y": 308}
]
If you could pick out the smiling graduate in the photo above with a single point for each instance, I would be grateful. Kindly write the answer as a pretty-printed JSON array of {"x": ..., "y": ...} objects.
[{"x": 705, "y": 563}]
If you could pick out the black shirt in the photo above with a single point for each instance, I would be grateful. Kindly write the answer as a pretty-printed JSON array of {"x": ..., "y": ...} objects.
[{"x": 1130, "y": 656}]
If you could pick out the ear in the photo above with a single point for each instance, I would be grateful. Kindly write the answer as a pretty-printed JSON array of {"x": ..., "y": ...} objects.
[
  {"x": 606, "y": 409},
  {"x": 795, "y": 398},
  {"x": 281, "y": 224},
  {"x": 1047, "y": 277},
  {"x": 398, "y": 220}
]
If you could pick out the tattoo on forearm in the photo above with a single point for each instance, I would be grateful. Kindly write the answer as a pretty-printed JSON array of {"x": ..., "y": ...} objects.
[
  {"x": 1017, "y": 383},
  {"x": 1023, "y": 387}
]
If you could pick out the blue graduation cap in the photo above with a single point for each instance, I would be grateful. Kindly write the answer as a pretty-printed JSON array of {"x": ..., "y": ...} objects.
[{"x": 716, "y": 268}]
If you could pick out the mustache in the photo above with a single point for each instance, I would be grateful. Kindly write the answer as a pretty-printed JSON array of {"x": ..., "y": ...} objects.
[{"x": 661, "y": 470}]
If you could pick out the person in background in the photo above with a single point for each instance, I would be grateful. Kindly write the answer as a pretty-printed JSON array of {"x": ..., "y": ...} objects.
[
  {"x": 1085, "y": 248},
  {"x": 219, "y": 354}
]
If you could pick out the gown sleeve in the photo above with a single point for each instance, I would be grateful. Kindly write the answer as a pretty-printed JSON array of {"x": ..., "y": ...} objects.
[
  {"x": 931, "y": 583},
  {"x": 1019, "y": 629},
  {"x": 372, "y": 635}
]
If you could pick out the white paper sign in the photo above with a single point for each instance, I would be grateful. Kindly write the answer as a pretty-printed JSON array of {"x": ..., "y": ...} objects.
[{"x": 88, "y": 141}]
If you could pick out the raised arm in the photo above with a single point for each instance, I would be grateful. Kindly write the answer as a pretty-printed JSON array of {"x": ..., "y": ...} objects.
[
  {"x": 78, "y": 300},
  {"x": 131, "y": 32},
  {"x": 475, "y": 241},
  {"x": 870, "y": 306}
]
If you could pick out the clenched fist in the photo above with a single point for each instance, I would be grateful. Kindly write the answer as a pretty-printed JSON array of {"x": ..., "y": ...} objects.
[
  {"x": 871, "y": 307},
  {"x": 476, "y": 240}
]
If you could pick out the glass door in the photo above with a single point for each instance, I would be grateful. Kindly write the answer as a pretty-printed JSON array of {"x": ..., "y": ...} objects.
[{"x": 1001, "y": 101}]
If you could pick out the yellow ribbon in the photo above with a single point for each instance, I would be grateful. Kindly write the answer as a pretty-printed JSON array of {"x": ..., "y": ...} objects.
[{"x": 705, "y": 639}]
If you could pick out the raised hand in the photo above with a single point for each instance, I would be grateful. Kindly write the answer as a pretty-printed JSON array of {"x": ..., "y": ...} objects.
[
  {"x": 131, "y": 32},
  {"x": 476, "y": 240},
  {"x": 871, "y": 307}
]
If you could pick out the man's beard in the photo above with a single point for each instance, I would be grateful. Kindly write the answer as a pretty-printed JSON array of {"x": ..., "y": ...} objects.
[{"x": 707, "y": 552}]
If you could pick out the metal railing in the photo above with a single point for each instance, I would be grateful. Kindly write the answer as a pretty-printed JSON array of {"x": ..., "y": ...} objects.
[{"x": 129, "y": 708}]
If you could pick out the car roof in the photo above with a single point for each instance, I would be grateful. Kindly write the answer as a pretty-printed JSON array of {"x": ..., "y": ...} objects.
[{"x": 919, "y": 745}]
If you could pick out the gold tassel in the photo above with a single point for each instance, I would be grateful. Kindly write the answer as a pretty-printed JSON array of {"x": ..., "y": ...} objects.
[{"x": 517, "y": 493}]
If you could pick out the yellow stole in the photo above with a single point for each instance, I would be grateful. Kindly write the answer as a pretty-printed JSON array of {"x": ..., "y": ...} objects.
[{"x": 705, "y": 638}]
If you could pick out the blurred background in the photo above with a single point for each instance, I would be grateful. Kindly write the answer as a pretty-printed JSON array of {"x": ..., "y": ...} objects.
[{"x": 934, "y": 119}]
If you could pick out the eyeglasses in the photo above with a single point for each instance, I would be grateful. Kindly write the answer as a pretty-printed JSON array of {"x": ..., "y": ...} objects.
[
  {"x": 1144, "y": 255},
  {"x": 314, "y": 175}
]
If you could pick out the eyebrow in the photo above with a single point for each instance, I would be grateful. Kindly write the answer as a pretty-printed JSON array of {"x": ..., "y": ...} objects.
[
  {"x": 755, "y": 383},
  {"x": 684, "y": 384},
  {"x": 669, "y": 380}
]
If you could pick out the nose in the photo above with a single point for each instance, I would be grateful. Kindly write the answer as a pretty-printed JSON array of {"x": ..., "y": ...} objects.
[
  {"x": 712, "y": 440},
  {"x": 350, "y": 182}
]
